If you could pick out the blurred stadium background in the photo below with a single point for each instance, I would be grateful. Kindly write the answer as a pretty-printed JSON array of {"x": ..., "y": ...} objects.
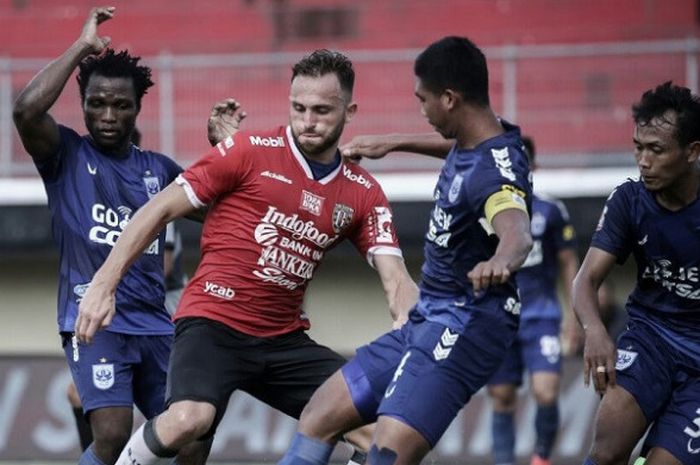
[{"x": 566, "y": 71}]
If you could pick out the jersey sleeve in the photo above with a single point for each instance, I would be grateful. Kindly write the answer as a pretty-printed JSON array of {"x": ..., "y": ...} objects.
[
  {"x": 219, "y": 171},
  {"x": 501, "y": 182},
  {"x": 376, "y": 234},
  {"x": 613, "y": 232},
  {"x": 563, "y": 232},
  {"x": 50, "y": 170}
]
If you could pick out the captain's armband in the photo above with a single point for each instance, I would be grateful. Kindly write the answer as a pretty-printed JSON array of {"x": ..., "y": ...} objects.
[{"x": 508, "y": 197}]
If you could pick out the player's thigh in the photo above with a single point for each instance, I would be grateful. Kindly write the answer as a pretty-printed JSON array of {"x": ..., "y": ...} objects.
[
  {"x": 295, "y": 367},
  {"x": 208, "y": 362},
  {"x": 677, "y": 429},
  {"x": 102, "y": 371},
  {"x": 150, "y": 374},
  {"x": 619, "y": 425},
  {"x": 440, "y": 370}
]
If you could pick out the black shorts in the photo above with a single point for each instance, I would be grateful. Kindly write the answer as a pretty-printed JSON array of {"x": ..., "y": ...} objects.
[{"x": 210, "y": 360}]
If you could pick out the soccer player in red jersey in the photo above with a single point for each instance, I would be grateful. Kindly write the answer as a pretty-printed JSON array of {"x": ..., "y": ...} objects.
[{"x": 278, "y": 201}]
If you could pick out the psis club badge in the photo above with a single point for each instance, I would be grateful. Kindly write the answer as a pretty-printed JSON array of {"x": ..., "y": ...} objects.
[{"x": 103, "y": 375}]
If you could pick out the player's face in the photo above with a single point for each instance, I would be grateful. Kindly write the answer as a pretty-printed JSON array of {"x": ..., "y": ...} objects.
[
  {"x": 661, "y": 160},
  {"x": 110, "y": 109},
  {"x": 433, "y": 109},
  {"x": 318, "y": 112}
]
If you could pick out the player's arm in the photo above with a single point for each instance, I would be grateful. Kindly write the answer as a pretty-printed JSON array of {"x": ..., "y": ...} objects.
[
  {"x": 568, "y": 266},
  {"x": 376, "y": 146},
  {"x": 599, "y": 350},
  {"x": 400, "y": 289},
  {"x": 37, "y": 129},
  {"x": 98, "y": 305},
  {"x": 506, "y": 213}
]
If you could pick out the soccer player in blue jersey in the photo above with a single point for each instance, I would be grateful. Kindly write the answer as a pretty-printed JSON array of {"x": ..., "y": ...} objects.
[
  {"x": 537, "y": 346},
  {"x": 414, "y": 380},
  {"x": 653, "y": 378},
  {"x": 94, "y": 184}
]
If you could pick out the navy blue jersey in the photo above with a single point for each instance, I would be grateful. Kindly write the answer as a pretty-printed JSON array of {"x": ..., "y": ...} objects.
[
  {"x": 666, "y": 248},
  {"x": 92, "y": 197},
  {"x": 537, "y": 279},
  {"x": 459, "y": 234}
]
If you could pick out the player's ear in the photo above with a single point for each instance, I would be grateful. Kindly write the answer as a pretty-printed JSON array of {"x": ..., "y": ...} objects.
[
  {"x": 350, "y": 111},
  {"x": 693, "y": 152},
  {"x": 449, "y": 98}
]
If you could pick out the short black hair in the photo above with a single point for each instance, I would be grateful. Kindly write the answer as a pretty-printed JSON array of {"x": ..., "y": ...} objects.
[
  {"x": 111, "y": 64},
  {"x": 454, "y": 63},
  {"x": 324, "y": 61},
  {"x": 529, "y": 145},
  {"x": 655, "y": 103}
]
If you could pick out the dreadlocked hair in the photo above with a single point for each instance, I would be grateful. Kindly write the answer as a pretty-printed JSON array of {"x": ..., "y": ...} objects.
[{"x": 111, "y": 64}]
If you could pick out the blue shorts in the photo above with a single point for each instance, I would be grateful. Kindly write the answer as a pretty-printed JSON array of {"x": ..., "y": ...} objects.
[
  {"x": 424, "y": 373},
  {"x": 666, "y": 385},
  {"x": 536, "y": 348},
  {"x": 120, "y": 370}
]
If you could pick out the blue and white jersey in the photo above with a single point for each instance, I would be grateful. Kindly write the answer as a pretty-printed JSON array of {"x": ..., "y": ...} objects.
[
  {"x": 666, "y": 248},
  {"x": 537, "y": 278},
  {"x": 473, "y": 186},
  {"x": 92, "y": 197}
]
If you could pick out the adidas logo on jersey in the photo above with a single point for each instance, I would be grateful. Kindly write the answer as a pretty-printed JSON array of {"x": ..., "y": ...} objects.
[{"x": 267, "y": 141}]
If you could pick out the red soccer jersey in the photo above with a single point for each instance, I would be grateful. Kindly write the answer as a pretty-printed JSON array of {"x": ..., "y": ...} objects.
[{"x": 268, "y": 227}]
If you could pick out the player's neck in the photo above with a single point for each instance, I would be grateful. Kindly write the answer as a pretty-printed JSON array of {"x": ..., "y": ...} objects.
[
  {"x": 476, "y": 126},
  {"x": 680, "y": 194},
  {"x": 326, "y": 157}
]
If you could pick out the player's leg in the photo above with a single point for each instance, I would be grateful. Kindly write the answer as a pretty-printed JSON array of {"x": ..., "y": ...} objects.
[
  {"x": 542, "y": 355},
  {"x": 502, "y": 390},
  {"x": 150, "y": 378},
  {"x": 674, "y": 437},
  {"x": 207, "y": 362},
  {"x": 346, "y": 400},
  {"x": 439, "y": 372},
  {"x": 81, "y": 423},
  {"x": 644, "y": 374},
  {"x": 102, "y": 374}
]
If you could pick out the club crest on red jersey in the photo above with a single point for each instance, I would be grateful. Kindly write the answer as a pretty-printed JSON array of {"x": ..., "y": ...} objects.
[{"x": 342, "y": 217}]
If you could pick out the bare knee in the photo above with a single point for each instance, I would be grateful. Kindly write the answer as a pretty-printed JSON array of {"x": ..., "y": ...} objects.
[
  {"x": 184, "y": 422},
  {"x": 503, "y": 397},
  {"x": 545, "y": 387},
  {"x": 111, "y": 428}
]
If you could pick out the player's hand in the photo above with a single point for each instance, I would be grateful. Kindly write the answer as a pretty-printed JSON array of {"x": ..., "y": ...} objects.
[
  {"x": 366, "y": 146},
  {"x": 224, "y": 120},
  {"x": 95, "y": 312},
  {"x": 488, "y": 273},
  {"x": 89, "y": 35},
  {"x": 599, "y": 358}
]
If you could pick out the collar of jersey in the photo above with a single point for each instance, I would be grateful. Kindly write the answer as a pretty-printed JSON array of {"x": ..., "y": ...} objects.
[{"x": 305, "y": 165}]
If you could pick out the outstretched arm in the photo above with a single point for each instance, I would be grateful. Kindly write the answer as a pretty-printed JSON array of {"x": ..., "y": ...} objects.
[
  {"x": 37, "y": 129},
  {"x": 97, "y": 307},
  {"x": 598, "y": 350},
  {"x": 400, "y": 289},
  {"x": 431, "y": 144}
]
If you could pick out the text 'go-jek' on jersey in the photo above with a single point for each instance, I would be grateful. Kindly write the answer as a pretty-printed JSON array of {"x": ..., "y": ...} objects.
[
  {"x": 92, "y": 197},
  {"x": 269, "y": 225}
]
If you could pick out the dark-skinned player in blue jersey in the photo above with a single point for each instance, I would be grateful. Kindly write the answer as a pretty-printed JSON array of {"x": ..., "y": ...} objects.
[
  {"x": 652, "y": 377},
  {"x": 95, "y": 183},
  {"x": 414, "y": 380}
]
